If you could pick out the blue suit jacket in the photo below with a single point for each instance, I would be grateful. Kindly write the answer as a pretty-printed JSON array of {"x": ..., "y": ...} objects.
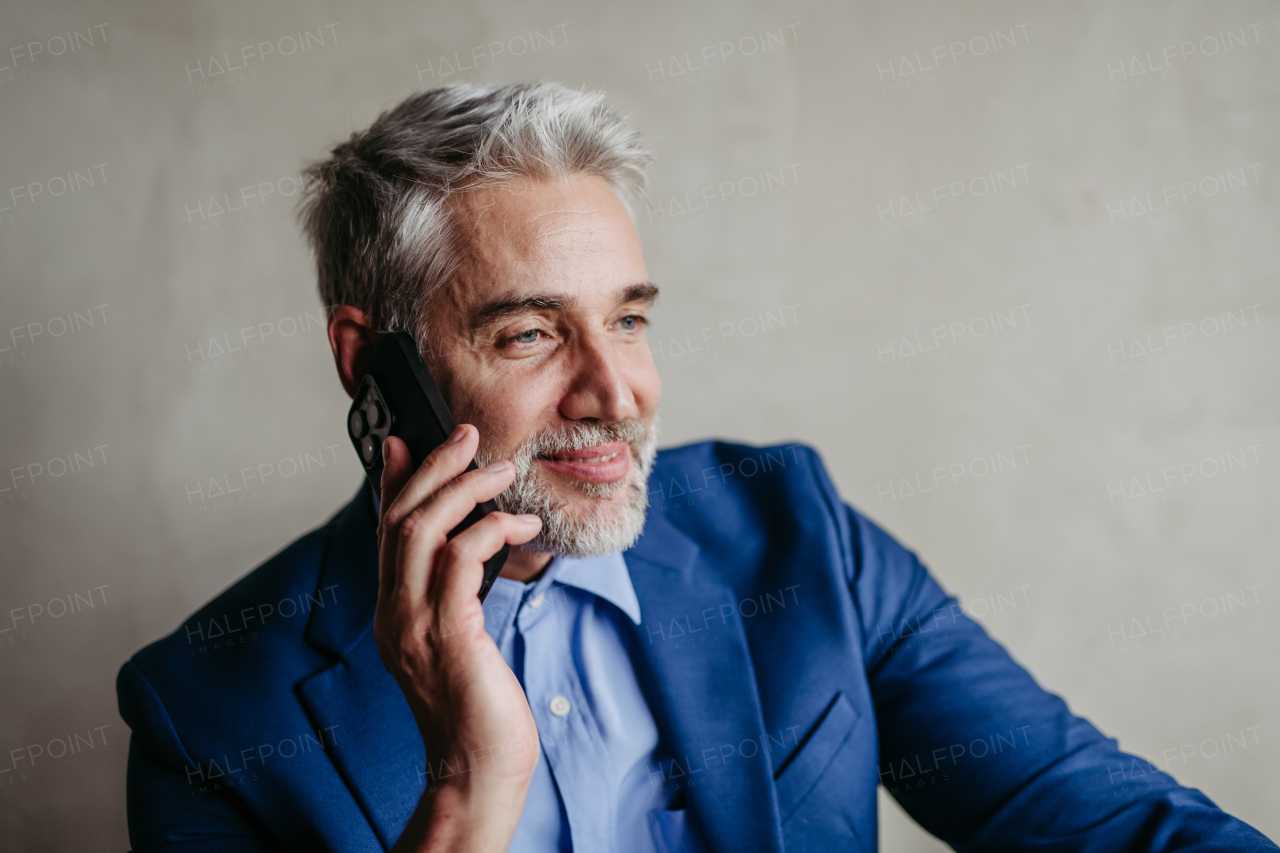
[{"x": 794, "y": 657}]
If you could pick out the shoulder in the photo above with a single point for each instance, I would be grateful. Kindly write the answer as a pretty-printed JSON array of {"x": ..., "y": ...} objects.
[
  {"x": 732, "y": 496},
  {"x": 739, "y": 467},
  {"x": 738, "y": 494},
  {"x": 724, "y": 478},
  {"x": 222, "y": 643}
]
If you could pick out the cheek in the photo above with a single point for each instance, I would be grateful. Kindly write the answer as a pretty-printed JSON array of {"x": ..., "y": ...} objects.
[
  {"x": 515, "y": 407},
  {"x": 645, "y": 383}
]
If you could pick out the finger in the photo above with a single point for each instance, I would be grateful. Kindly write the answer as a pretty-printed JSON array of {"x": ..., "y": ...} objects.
[
  {"x": 437, "y": 470},
  {"x": 425, "y": 531},
  {"x": 401, "y": 490},
  {"x": 459, "y": 571},
  {"x": 396, "y": 470}
]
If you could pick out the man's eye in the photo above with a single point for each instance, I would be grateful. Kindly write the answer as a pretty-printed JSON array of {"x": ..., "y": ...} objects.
[
  {"x": 528, "y": 336},
  {"x": 631, "y": 322}
]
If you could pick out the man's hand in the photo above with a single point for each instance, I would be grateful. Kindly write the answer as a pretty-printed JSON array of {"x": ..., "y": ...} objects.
[{"x": 480, "y": 737}]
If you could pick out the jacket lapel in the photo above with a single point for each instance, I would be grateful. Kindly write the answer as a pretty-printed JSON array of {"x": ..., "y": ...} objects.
[
  {"x": 378, "y": 749},
  {"x": 702, "y": 691}
]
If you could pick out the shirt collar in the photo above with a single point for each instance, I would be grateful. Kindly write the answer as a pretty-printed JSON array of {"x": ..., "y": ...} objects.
[{"x": 605, "y": 576}]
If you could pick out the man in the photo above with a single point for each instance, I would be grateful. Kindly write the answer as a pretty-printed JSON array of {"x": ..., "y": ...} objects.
[{"x": 702, "y": 649}]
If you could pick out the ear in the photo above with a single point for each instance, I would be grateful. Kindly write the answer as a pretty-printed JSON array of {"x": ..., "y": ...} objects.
[{"x": 352, "y": 338}]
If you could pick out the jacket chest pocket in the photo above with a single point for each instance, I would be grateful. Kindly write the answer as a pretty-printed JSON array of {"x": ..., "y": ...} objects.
[{"x": 819, "y": 788}]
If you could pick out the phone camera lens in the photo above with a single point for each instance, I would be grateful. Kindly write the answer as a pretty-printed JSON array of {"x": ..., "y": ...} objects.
[
  {"x": 369, "y": 449},
  {"x": 377, "y": 415},
  {"x": 359, "y": 424}
]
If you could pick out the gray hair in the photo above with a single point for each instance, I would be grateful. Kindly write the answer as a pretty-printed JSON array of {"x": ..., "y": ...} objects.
[{"x": 376, "y": 210}]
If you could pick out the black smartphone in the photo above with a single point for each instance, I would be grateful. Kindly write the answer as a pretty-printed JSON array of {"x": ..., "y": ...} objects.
[{"x": 398, "y": 397}]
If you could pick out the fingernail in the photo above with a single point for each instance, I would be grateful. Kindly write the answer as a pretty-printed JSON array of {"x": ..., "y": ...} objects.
[
  {"x": 456, "y": 435},
  {"x": 494, "y": 467},
  {"x": 529, "y": 519},
  {"x": 385, "y": 442}
]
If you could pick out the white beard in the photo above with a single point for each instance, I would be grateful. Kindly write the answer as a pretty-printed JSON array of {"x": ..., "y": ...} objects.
[{"x": 594, "y": 530}]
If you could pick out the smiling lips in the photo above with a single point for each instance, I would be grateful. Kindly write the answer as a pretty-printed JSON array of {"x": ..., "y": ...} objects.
[{"x": 603, "y": 463}]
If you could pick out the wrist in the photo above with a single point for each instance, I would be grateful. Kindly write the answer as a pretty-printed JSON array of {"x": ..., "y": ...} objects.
[{"x": 469, "y": 814}]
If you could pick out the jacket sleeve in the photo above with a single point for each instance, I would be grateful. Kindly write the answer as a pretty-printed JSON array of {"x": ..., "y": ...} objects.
[
  {"x": 170, "y": 807},
  {"x": 982, "y": 756}
]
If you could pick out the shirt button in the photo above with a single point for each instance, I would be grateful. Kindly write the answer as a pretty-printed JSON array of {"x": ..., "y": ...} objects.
[
  {"x": 536, "y": 601},
  {"x": 559, "y": 706}
]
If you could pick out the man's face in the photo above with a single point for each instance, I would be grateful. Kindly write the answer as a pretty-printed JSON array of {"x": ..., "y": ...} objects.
[{"x": 540, "y": 343}]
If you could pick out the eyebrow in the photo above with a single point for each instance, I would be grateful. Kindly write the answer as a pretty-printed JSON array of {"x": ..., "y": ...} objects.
[{"x": 502, "y": 309}]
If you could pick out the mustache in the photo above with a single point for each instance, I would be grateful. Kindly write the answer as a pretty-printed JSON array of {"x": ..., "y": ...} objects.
[
  {"x": 574, "y": 437},
  {"x": 579, "y": 436}
]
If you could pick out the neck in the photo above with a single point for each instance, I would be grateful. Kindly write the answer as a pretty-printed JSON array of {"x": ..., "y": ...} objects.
[{"x": 524, "y": 566}]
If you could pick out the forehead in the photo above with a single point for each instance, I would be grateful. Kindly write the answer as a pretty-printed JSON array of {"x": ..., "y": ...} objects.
[{"x": 569, "y": 235}]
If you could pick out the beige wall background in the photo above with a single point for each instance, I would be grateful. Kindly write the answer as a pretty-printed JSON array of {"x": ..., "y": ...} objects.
[{"x": 1011, "y": 267}]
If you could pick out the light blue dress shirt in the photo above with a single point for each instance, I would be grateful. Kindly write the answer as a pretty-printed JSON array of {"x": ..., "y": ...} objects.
[{"x": 598, "y": 778}]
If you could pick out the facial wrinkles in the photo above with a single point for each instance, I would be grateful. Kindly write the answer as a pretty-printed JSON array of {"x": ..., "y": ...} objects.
[
  {"x": 492, "y": 390},
  {"x": 561, "y": 233}
]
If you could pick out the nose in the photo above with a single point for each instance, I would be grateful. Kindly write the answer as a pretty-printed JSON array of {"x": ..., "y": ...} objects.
[{"x": 598, "y": 386}]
